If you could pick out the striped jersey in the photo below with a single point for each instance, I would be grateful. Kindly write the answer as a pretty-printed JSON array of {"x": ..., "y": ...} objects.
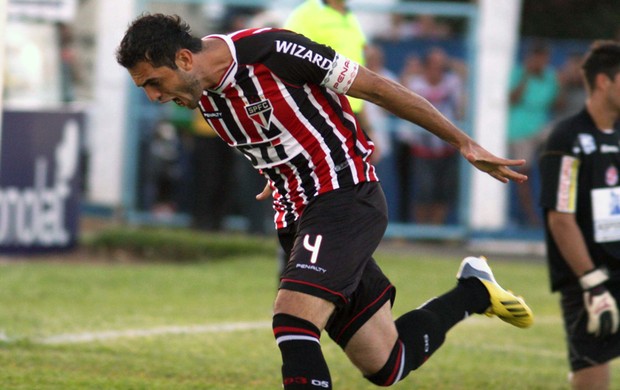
[{"x": 281, "y": 103}]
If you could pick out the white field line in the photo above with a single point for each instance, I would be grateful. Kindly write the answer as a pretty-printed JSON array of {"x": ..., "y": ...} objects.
[{"x": 87, "y": 337}]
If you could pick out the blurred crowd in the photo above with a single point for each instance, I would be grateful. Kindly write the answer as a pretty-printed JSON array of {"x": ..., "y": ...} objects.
[{"x": 184, "y": 168}]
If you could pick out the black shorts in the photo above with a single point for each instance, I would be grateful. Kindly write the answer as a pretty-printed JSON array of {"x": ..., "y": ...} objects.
[
  {"x": 330, "y": 256},
  {"x": 584, "y": 349}
]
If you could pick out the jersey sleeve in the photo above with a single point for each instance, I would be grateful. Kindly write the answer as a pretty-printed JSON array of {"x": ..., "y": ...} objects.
[
  {"x": 559, "y": 171},
  {"x": 298, "y": 60}
]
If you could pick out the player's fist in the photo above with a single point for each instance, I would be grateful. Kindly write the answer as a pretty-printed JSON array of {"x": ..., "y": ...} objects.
[{"x": 600, "y": 304}]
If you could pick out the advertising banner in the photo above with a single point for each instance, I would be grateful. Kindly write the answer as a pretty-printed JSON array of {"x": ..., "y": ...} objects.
[
  {"x": 39, "y": 180},
  {"x": 51, "y": 10}
]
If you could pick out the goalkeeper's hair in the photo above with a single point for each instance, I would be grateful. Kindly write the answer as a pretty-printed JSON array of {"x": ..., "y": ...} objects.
[
  {"x": 603, "y": 57},
  {"x": 156, "y": 38}
]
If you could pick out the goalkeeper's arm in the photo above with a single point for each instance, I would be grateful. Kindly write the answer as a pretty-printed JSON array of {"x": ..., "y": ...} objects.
[{"x": 600, "y": 304}]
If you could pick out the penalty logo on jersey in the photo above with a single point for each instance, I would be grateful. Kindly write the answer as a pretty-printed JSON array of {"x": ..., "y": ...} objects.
[{"x": 260, "y": 113}]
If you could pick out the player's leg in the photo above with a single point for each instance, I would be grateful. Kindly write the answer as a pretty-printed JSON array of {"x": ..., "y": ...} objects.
[
  {"x": 386, "y": 350},
  {"x": 298, "y": 321},
  {"x": 591, "y": 378},
  {"x": 371, "y": 346},
  {"x": 336, "y": 235}
]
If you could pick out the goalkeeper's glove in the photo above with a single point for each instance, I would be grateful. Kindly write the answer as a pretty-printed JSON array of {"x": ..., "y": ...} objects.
[{"x": 600, "y": 304}]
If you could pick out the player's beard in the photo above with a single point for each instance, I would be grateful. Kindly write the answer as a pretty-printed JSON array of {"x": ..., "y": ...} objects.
[{"x": 190, "y": 87}]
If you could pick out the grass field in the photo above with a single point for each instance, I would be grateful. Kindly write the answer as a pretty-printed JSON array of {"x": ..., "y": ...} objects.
[{"x": 207, "y": 326}]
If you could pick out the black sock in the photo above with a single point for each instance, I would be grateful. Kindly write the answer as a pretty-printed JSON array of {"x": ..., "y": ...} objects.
[
  {"x": 468, "y": 297},
  {"x": 304, "y": 366},
  {"x": 423, "y": 331},
  {"x": 394, "y": 370}
]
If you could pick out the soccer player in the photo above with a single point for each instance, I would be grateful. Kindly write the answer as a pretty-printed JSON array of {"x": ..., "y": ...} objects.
[
  {"x": 580, "y": 196},
  {"x": 279, "y": 98}
]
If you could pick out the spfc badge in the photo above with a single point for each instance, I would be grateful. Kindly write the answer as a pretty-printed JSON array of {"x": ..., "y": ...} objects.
[
  {"x": 260, "y": 113},
  {"x": 611, "y": 176}
]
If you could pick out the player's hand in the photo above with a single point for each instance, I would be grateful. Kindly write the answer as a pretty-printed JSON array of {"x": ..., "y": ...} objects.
[
  {"x": 265, "y": 194},
  {"x": 375, "y": 157},
  {"x": 495, "y": 166},
  {"x": 600, "y": 304}
]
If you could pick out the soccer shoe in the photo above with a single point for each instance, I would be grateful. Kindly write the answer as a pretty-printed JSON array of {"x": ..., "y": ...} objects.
[{"x": 504, "y": 304}]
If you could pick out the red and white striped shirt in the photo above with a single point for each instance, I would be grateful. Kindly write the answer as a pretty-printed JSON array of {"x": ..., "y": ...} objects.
[{"x": 282, "y": 104}]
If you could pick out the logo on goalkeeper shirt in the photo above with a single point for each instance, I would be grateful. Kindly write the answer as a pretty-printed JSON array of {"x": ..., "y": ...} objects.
[
  {"x": 611, "y": 176},
  {"x": 260, "y": 113}
]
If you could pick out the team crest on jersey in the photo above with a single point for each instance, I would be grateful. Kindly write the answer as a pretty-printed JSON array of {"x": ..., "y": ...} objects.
[
  {"x": 260, "y": 113},
  {"x": 611, "y": 176},
  {"x": 588, "y": 145}
]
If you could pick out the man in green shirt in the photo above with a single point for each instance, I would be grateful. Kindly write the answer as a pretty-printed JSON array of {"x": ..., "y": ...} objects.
[
  {"x": 331, "y": 23},
  {"x": 533, "y": 92}
]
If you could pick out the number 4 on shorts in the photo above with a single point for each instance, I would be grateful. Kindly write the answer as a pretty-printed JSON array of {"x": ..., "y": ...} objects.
[{"x": 313, "y": 248}]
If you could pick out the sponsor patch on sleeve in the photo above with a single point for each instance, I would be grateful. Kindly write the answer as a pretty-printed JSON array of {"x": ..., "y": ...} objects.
[
  {"x": 341, "y": 75},
  {"x": 567, "y": 185}
]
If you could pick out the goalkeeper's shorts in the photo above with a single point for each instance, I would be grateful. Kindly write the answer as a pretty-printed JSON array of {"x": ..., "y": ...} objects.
[{"x": 584, "y": 349}]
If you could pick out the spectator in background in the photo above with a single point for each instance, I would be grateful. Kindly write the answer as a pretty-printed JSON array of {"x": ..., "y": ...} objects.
[
  {"x": 533, "y": 92},
  {"x": 383, "y": 123},
  {"x": 212, "y": 165},
  {"x": 163, "y": 170},
  {"x": 68, "y": 66},
  {"x": 422, "y": 26},
  {"x": 238, "y": 17},
  {"x": 572, "y": 92},
  {"x": 435, "y": 166},
  {"x": 402, "y": 147},
  {"x": 331, "y": 23}
]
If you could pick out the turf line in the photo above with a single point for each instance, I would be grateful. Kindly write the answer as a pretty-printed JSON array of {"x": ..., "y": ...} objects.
[
  {"x": 87, "y": 337},
  {"x": 226, "y": 327}
]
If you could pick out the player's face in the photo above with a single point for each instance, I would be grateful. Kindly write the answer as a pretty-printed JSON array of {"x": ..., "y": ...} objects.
[{"x": 164, "y": 84}]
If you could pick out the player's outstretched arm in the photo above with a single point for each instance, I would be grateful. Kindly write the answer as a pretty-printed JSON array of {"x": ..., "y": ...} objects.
[
  {"x": 410, "y": 106},
  {"x": 497, "y": 167}
]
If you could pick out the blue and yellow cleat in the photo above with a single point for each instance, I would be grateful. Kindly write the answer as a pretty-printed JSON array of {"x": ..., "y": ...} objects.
[{"x": 504, "y": 304}]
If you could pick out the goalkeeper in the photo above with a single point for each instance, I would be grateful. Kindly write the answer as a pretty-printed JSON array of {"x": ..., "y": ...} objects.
[{"x": 580, "y": 195}]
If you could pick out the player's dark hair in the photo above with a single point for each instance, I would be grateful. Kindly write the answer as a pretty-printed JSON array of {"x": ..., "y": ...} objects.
[
  {"x": 156, "y": 39},
  {"x": 603, "y": 57}
]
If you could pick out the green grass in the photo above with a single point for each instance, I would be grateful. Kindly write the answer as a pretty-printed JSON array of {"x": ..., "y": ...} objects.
[
  {"x": 176, "y": 245},
  {"x": 40, "y": 300}
]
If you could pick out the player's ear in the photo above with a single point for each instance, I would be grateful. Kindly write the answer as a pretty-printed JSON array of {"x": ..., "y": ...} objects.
[
  {"x": 184, "y": 59},
  {"x": 602, "y": 80}
]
